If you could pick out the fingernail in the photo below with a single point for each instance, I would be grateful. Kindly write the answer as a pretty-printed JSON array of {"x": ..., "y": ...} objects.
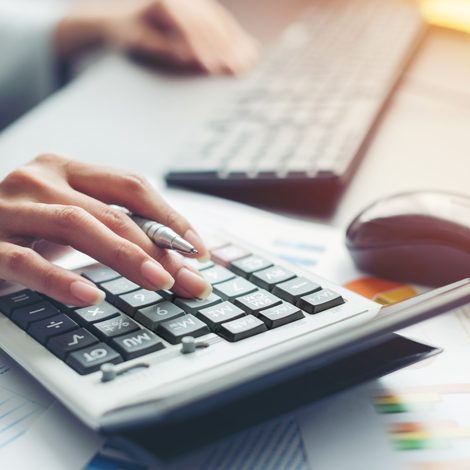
[
  {"x": 191, "y": 237},
  {"x": 204, "y": 258},
  {"x": 193, "y": 283},
  {"x": 86, "y": 293},
  {"x": 156, "y": 275}
]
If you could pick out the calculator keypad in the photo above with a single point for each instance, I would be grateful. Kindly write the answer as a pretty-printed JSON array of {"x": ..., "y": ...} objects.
[{"x": 251, "y": 296}]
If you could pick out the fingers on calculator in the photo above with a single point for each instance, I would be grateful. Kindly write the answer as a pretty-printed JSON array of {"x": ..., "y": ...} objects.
[
  {"x": 252, "y": 295},
  {"x": 66, "y": 202}
]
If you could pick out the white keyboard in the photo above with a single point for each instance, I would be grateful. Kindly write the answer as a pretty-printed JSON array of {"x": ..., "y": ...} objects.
[{"x": 299, "y": 121}]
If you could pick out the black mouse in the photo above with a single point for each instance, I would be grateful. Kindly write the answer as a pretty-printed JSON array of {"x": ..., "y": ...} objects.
[{"x": 419, "y": 237}]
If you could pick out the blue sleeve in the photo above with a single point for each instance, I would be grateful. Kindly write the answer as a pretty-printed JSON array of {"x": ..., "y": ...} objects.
[{"x": 28, "y": 63}]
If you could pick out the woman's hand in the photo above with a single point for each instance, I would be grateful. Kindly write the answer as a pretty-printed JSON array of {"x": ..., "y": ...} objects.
[
  {"x": 188, "y": 33},
  {"x": 66, "y": 202}
]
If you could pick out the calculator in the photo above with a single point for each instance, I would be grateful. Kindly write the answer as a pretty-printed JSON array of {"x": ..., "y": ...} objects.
[{"x": 165, "y": 375}]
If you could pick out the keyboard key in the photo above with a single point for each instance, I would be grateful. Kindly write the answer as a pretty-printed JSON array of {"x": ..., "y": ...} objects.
[
  {"x": 167, "y": 295},
  {"x": 20, "y": 299},
  {"x": 217, "y": 274},
  {"x": 101, "y": 274},
  {"x": 64, "y": 308},
  {"x": 229, "y": 290},
  {"x": 199, "y": 266},
  {"x": 224, "y": 256},
  {"x": 96, "y": 313},
  {"x": 320, "y": 301},
  {"x": 43, "y": 330},
  {"x": 137, "y": 344},
  {"x": 259, "y": 300},
  {"x": 130, "y": 303},
  {"x": 117, "y": 287},
  {"x": 292, "y": 290},
  {"x": 27, "y": 315},
  {"x": 90, "y": 359},
  {"x": 280, "y": 315},
  {"x": 188, "y": 325},
  {"x": 116, "y": 326},
  {"x": 194, "y": 305},
  {"x": 241, "y": 328},
  {"x": 268, "y": 278},
  {"x": 213, "y": 317},
  {"x": 152, "y": 316},
  {"x": 214, "y": 242},
  {"x": 246, "y": 266},
  {"x": 62, "y": 345}
]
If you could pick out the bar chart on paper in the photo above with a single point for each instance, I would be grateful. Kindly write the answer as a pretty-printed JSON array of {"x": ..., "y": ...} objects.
[{"x": 430, "y": 418}]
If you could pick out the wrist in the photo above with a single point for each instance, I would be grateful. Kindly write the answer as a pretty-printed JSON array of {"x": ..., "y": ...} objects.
[{"x": 87, "y": 25}]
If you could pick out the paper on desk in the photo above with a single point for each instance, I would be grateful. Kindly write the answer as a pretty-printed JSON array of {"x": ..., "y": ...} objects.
[
  {"x": 348, "y": 432},
  {"x": 36, "y": 432}
]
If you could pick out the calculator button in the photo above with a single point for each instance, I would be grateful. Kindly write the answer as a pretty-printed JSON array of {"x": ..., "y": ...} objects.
[
  {"x": 268, "y": 278},
  {"x": 27, "y": 315},
  {"x": 152, "y": 316},
  {"x": 259, "y": 300},
  {"x": 137, "y": 344},
  {"x": 117, "y": 287},
  {"x": 199, "y": 266},
  {"x": 95, "y": 313},
  {"x": 130, "y": 303},
  {"x": 43, "y": 330},
  {"x": 246, "y": 266},
  {"x": 20, "y": 299},
  {"x": 188, "y": 325},
  {"x": 102, "y": 274},
  {"x": 116, "y": 326},
  {"x": 319, "y": 301},
  {"x": 64, "y": 308},
  {"x": 217, "y": 274},
  {"x": 292, "y": 290},
  {"x": 90, "y": 359},
  {"x": 235, "y": 288},
  {"x": 224, "y": 256},
  {"x": 280, "y": 315},
  {"x": 194, "y": 305},
  {"x": 214, "y": 242},
  {"x": 213, "y": 317},
  {"x": 167, "y": 295},
  {"x": 62, "y": 345},
  {"x": 241, "y": 328}
]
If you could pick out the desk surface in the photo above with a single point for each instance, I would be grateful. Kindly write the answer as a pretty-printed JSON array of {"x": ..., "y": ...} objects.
[{"x": 123, "y": 114}]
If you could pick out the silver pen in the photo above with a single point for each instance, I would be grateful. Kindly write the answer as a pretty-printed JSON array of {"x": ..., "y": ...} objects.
[{"x": 162, "y": 236}]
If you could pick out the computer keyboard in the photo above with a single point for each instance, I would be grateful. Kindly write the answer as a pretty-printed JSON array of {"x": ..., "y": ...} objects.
[{"x": 299, "y": 122}]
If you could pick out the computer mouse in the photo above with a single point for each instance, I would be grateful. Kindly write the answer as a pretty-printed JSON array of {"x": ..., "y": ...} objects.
[{"x": 418, "y": 237}]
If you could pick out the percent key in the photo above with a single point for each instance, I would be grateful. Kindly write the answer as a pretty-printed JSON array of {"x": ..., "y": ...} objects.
[{"x": 117, "y": 326}]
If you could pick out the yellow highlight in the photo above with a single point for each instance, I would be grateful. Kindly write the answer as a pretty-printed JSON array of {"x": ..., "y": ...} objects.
[
  {"x": 412, "y": 398},
  {"x": 451, "y": 433},
  {"x": 454, "y": 14},
  {"x": 395, "y": 295}
]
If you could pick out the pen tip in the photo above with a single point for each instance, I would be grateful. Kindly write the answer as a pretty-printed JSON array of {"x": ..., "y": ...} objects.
[{"x": 194, "y": 251}]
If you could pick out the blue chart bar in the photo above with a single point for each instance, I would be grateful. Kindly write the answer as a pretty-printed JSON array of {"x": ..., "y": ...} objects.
[{"x": 16, "y": 415}]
